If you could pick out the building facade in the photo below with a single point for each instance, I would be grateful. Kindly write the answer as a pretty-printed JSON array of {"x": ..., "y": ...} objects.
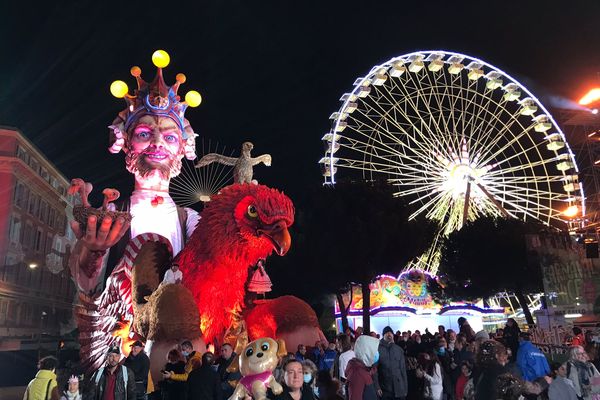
[{"x": 36, "y": 290}]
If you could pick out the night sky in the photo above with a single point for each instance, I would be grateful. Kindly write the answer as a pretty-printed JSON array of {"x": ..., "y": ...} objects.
[{"x": 269, "y": 71}]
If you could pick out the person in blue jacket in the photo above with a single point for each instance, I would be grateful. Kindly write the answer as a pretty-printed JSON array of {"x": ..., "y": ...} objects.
[
  {"x": 530, "y": 360},
  {"x": 327, "y": 358}
]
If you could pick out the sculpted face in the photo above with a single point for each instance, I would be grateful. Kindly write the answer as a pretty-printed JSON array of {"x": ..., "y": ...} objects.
[
  {"x": 260, "y": 356},
  {"x": 155, "y": 148}
]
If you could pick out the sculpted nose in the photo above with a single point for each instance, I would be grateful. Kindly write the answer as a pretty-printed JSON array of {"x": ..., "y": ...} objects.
[
  {"x": 157, "y": 139},
  {"x": 259, "y": 355}
]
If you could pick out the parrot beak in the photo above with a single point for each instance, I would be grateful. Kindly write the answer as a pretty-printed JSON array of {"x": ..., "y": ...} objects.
[{"x": 279, "y": 236}]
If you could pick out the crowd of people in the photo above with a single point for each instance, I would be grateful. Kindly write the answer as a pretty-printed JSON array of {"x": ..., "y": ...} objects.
[{"x": 445, "y": 365}]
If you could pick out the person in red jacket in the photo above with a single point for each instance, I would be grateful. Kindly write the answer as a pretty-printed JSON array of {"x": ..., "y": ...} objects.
[
  {"x": 359, "y": 372},
  {"x": 466, "y": 367},
  {"x": 578, "y": 338}
]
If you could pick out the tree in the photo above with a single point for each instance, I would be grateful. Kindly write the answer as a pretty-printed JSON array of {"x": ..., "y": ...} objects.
[
  {"x": 348, "y": 234},
  {"x": 488, "y": 256}
]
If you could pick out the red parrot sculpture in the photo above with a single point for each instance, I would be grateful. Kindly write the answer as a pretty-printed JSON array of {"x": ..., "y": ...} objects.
[{"x": 240, "y": 225}]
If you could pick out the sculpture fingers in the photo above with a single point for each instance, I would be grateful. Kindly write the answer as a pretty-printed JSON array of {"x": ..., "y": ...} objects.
[
  {"x": 90, "y": 231},
  {"x": 104, "y": 229},
  {"x": 76, "y": 229}
]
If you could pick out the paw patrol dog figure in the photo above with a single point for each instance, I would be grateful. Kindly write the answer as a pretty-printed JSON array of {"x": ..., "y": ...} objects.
[{"x": 257, "y": 362}]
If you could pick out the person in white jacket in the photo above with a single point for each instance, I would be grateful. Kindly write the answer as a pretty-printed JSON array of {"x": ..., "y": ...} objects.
[{"x": 431, "y": 370}]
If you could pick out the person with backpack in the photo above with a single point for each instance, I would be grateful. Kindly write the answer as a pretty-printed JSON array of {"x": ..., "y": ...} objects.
[
  {"x": 43, "y": 386},
  {"x": 114, "y": 381}
]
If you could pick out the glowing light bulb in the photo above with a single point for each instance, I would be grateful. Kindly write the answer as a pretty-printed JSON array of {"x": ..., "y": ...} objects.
[
  {"x": 119, "y": 89},
  {"x": 160, "y": 58},
  {"x": 136, "y": 71},
  {"x": 571, "y": 211},
  {"x": 193, "y": 98}
]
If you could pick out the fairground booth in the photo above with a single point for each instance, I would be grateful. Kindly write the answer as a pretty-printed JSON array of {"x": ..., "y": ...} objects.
[{"x": 404, "y": 303}]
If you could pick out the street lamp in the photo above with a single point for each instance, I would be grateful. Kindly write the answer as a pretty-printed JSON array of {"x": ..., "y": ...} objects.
[
  {"x": 44, "y": 313},
  {"x": 33, "y": 265}
]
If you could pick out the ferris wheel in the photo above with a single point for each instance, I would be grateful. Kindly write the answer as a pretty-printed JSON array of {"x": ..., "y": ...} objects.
[{"x": 459, "y": 138}]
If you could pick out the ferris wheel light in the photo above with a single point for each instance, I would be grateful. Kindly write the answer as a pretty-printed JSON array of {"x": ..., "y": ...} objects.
[
  {"x": 435, "y": 65},
  {"x": 528, "y": 106},
  {"x": 475, "y": 74},
  {"x": 493, "y": 84},
  {"x": 379, "y": 78},
  {"x": 555, "y": 145},
  {"x": 363, "y": 91},
  {"x": 351, "y": 107},
  {"x": 330, "y": 137},
  {"x": 397, "y": 69},
  {"x": 455, "y": 68},
  {"x": 348, "y": 96},
  {"x": 341, "y": 125},
  {"x": 571, "y": 187},
  {"x": 542, "y": 123},
  {"x": 512, "y": 92},
  {"x": 328, "y": 160},
  {"x": 494, "y": 80},
  {"x": 338, "y": 115},
  {"x": 571, "y": 211},
  {"x": 564, "y": 165},
  {"x": 332, "y": 147},
  {"x": 512, "y": 95},
  {"x": 416, "y": 66}
]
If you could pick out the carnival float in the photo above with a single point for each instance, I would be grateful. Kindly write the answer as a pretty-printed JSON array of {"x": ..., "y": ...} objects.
[{"x": 125, "y": 248}]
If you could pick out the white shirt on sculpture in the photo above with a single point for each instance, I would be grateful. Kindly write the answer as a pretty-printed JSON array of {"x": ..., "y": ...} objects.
[
  {"x": 172, "y": 277},
  {"x": 159, "y": 218}
]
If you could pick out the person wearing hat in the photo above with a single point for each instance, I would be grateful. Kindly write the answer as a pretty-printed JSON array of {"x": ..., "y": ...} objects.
[
  {"x": 391, "y": 382},
  {"x": 139, "y": 363},
  {"x": 114, "y": 381}
]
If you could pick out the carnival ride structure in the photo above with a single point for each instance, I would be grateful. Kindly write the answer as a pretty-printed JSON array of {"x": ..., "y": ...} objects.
[{"x": 460, "y": 139}]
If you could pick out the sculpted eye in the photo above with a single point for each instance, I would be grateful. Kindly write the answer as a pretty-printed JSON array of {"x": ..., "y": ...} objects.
[
  {"x": 252, "y": 213},
  {"x": 264, "y": 346},
  {"x": 171, "y": 138},
  {"x": 249, "y": 352},
  {"x": 142, "y": 134}
]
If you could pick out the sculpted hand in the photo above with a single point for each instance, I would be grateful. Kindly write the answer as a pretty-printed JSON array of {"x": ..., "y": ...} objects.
[{"x": 108, "y": 235}]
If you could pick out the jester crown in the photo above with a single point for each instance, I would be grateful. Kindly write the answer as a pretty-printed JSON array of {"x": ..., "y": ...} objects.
[{"x": 155, "y": 98}]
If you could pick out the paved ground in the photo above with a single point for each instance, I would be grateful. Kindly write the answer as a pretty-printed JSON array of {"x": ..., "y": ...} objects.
[{"x": 12, "y": 393}]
